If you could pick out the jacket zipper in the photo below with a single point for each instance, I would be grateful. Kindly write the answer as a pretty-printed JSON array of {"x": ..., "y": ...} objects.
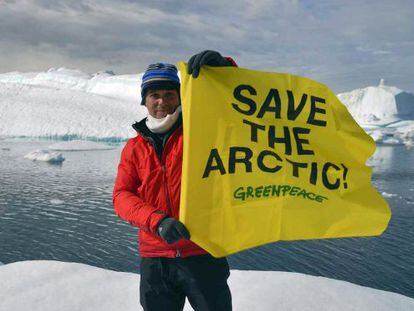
[
  {"x": 177, "y": 252},
  {"x": 167, "y": 194},
  {"x": 160, "y": 159}
]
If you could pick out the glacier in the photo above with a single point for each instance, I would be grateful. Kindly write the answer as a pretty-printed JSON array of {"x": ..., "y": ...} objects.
[{"x": 68, "y": 104}]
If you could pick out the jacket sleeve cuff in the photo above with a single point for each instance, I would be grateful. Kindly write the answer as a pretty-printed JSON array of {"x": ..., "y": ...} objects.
[
  {"x": 231, "y": 60},
  {"x": 156, "y": 218}
]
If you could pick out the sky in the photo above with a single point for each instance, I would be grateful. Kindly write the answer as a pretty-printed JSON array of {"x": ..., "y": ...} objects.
[{"x": 344, "y": 44}]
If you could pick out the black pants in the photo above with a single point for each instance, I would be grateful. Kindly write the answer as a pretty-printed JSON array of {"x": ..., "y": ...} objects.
[{"x": 165, "y": 282}]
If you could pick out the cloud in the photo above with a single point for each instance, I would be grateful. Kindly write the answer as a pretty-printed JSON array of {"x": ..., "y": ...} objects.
[{"x": 343, "y": 45}]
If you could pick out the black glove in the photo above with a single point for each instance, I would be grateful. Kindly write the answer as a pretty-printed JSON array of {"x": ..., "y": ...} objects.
[
  {"x": 210, "y": 58},
  {"x": 172, "y": 230}
]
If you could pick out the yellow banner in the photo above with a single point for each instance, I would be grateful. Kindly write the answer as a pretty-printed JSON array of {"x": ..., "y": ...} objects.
[{"x": 271, "y": 156}]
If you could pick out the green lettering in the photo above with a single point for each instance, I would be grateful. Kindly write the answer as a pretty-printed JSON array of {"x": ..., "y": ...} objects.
[
  {"x": 266, "y": 191},
  {"x": 285, "y": 188},
  {"x": 302, "y": 193},
  {"x": 294, "y": 190},
  {"x": 249, "y": 192},
  {"x": 320, "y": 198},
  {"x": 275, "y": 190},
  {"x": 259, "y": 191},
  {"x": 310, "y": 196},
  {"x": 239, "y": 193}
]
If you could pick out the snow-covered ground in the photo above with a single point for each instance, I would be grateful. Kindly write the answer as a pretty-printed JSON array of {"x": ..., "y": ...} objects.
[
  {"x": 53, "y": 285},
  {"x": 70, "y": 104}
]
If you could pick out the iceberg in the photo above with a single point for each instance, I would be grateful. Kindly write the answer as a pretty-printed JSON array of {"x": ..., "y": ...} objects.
[
  {"x": 45, "y": 156},
  {"x": 385, "y": 112}
]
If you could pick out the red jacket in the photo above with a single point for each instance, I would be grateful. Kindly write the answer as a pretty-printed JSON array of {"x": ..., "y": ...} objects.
[{"x": 147, "y": 188}]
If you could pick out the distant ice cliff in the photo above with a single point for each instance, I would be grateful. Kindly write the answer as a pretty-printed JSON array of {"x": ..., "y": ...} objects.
[{"x": 69, "y": 104}]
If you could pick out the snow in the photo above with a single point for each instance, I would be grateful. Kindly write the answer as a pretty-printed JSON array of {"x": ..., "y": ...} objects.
[
  {"x": 385, "y": 112},
  {"x": 126, "y": 87},
  {"x": 79, "y": 145},
  {"x": 66, "y": 103},
  {"x": 45, "y": 155},
  {"x": 53, "y": 285}
]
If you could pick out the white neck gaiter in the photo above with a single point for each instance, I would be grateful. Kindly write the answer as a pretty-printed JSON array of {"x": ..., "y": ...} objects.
[{"x": 163, "y": 125}]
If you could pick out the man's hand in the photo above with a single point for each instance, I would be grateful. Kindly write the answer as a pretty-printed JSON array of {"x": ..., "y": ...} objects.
[
  {"x": 172, "y": 230},
  {"x": 210, "y": 58}
]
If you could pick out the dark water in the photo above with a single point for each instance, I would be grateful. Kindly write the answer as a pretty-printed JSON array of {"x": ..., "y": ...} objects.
[{"x": 65, "y": 213}]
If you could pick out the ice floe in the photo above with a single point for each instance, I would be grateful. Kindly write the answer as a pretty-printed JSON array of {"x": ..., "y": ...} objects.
[{"x": 45, "y": 155}]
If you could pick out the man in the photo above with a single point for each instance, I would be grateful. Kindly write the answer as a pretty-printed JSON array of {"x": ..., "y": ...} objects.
[{"x": 147, "y": 195}]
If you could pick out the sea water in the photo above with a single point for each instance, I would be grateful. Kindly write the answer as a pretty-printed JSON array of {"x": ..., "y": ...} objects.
[{"x": 64, "y": 212}]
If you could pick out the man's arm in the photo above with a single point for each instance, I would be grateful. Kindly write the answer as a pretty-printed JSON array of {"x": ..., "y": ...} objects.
[{"x": 127, "y": 203}]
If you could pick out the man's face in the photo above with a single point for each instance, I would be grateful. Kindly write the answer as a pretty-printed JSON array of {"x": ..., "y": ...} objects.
[{"x": 161, "y": 102}]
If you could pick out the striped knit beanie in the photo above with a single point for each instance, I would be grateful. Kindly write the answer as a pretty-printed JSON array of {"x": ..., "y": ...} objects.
[{"x": 159, "y": 76}]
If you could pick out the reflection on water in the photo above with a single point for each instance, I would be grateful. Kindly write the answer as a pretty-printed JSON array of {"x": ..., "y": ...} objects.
[
  {"x": 62, "y": 212},
  {"x": 383, "y": 158},
  {"x": 65, "y": 213}
]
